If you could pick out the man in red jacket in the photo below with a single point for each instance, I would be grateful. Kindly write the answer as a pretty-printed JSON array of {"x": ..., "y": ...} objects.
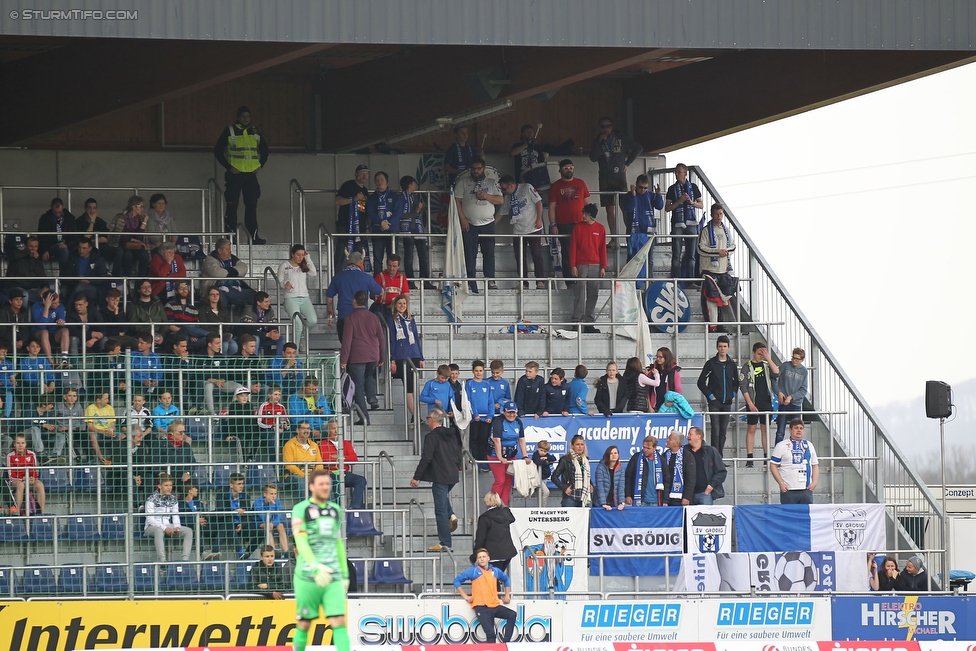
[
  {"x": 21, "y": 470},
  {"x": 363, "y": 350},
  {"x": 587, "y": 259},
  {"x": 167, "y": 263},
  {"x": 330, "y": 457}
]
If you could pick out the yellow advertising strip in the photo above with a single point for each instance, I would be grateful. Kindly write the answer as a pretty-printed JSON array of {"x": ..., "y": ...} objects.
[{"x": 69, "y": 625}]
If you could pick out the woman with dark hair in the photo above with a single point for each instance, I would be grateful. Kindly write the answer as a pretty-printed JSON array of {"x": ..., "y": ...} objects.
[
  {"x": 404, "y": 344},
  {"x": 636, "y": 380},
  {"x": 411, "y": 225},
  {"x": 611, "y": 395},
  {"x": 668, "y": 370},
  {"x": 887, "y": 579},
  {"x": 608, "y": 481},
  {"x": 293, "y": 274},
  {"x": 213, "y": 310},
  {"x": 572, "y": 474},
  {"x": 160, "y": 221}
]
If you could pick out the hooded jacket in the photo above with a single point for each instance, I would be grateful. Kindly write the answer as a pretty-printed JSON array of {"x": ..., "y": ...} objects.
[
  {"x": 719, "y": 381},
  {"x": 494, "y": 533},
  {"x": 602, "y": 397}
]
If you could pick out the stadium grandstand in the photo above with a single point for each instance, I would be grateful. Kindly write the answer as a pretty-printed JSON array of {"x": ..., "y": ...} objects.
[{"x": 174, "y": 364}]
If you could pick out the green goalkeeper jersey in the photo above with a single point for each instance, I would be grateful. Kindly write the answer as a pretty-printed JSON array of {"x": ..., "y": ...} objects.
[{"x": 322, "y": 524}]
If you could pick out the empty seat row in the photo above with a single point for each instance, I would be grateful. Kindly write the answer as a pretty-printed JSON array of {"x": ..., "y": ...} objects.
[
  {"x": 112, "y": 578},
  {"x": 82, "y": 527}
]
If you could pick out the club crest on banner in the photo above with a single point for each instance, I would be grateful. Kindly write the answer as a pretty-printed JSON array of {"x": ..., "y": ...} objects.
[
  {"x": 709, "y": 531},
  {"x": 849, "y": 527},
  {"x": 667, "y": 307}
]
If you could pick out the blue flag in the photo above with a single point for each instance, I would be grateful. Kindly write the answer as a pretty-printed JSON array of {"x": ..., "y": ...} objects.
[{"x": 637, "y": 530}]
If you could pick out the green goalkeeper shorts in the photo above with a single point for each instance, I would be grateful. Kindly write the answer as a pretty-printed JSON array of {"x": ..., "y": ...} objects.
[{"x": 309, "y": 597}]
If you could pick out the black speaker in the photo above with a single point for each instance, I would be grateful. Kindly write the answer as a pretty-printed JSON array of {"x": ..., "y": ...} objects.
[{"x": 938, "y": 399}]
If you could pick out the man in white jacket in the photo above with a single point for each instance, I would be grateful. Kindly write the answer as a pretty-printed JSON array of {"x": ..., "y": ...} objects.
[{"x": 163, "y": 519}]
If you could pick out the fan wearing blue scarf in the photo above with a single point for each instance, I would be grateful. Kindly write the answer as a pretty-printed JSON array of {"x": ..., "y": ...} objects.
[
  {"x": 682, "y": 199},
  {"x": 639, "y": 206},
  {"x": 643, "y": 489},
  {"x": 715, "y": 244}
]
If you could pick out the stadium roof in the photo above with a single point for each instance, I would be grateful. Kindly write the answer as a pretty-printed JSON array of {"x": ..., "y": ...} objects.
[{"x": 690, "y": 69}]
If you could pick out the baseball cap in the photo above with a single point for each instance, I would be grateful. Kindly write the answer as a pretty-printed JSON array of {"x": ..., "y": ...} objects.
[
  {"x": 241, "y": 390},
  {"x": 362, "y": 167},
  {"x": 510, "y": 406},
  {"x": 565, "y": 162}
]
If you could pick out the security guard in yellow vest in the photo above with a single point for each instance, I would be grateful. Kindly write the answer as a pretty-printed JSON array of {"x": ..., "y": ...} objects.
[{"x": 243, "y": 151}]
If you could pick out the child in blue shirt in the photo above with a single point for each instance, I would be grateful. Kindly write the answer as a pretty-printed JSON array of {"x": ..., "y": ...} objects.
[
  {"x": 578, "y": 391},
  {"x": 269, "y": 524},
  {"x": 482, "y": 411},
  {"x": 501, "y": 389},
  {"x": 438, "y": 392}
]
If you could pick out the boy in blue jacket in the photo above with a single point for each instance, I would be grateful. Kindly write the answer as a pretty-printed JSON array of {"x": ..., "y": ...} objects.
[
  {"x": 529, "y": 390},
  {"x": 501, "y": 389},
  {"x": 578, "y": 391},
  {"x": 556, "y": 395},
  {"x": 438, "y": 392},
  {"x": 482, "y": 401}
]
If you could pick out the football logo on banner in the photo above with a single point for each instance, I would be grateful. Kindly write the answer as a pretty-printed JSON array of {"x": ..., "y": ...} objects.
[
  {"x": 849, "y": 527},
  {"x": 709, "y": 531}
]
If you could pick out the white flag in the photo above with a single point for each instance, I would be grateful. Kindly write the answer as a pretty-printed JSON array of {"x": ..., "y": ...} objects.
[
  {"x": 455, "y": 288},
  {"x": 626, "y": 303},
  {"x": 645, "y": 349}
]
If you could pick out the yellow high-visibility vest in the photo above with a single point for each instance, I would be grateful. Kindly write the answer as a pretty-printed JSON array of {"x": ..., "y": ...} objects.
[{"x": 242, "y": 149}]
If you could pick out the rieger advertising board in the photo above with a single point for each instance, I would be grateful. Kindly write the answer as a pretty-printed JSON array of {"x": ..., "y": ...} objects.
[
  {"x": 630, "y": 621},
  {"x": 771, "y": 620}
]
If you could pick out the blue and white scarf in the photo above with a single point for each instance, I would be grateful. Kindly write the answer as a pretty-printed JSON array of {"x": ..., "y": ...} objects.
[
  {"x": 516, "y": 205},
  {"x": 227, "y": 264},
  {"x": 410, "y": 221},
  {"x": 711, "y": 237},
  {"x": 639, "y": 482},
  {"x": 678, "y": 483},
  {"x": 171, "y": 286},
  {"x": 687, "y": 209},
  {"x": 642, "y": 208},
  {"x": 354, "y": 232},
  {"x": 383, "y": 199}
]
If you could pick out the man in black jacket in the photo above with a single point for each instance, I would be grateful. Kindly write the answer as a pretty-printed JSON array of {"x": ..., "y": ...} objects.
[
  {"x": 27, "y": 264},
  {"x": 267, "y": 577},
  {"x": 718, "y": 382},
  {"x": 710, "y": 472},
  {"x": 243, "y": 151},
  {"x": 56, "y": 221},
  {"x": 641, "y": 470},
  {"x": 440, "y": 464},
  {"x": 89, "y": 265}
]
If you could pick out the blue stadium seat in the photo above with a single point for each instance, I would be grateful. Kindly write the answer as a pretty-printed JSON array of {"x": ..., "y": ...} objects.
[
  {"x": 6, "y": 580},
  {"x": 109, "y": 578},
  {"x": 181, "y": 577},
  {"x": 360, "y": 523},
  {"x": 241, "y": 577},
  {"x": 42, "y": 529},
  {"x": 81, "y": 527},
  {"x": 259, "y": 474},
  {"x": 71, "y": 579},
  {"x": 389, "y": 571},
  {"x": 38, "y": 579},
  {"x": 113, "y": 527},
  {"x": 221, "y": 476},
  {"x": 212, "y": 576},
  {"x": 13, "y": 530},
  {"x": 195, "y": 427},
  {"x": 143, "y": 578},
  {"x": 88, "y": 478},
  {"x": 359, "y": 564},
  {"x": 200, "y": 476},
  {"x": 56, "y": 480}
]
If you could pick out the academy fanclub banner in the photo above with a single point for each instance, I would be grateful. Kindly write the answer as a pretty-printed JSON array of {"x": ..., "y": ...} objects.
[
  {"x": 560, "y": 533},
  {"x": 774, "y": 572},
  {"x": 904, "y": 617},
  {"x": 810, "y": 527},
  {"x": 643, "y": 530},
  {"x": 626, "y": 431}
]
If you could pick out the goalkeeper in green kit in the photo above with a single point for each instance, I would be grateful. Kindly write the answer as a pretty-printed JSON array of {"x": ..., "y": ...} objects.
[{"x": 321, "y": 574}]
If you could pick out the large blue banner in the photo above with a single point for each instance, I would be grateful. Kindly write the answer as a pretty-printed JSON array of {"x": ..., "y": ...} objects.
[
  {"x": 809, "y": 527},
  {"x": 905, "y": 617},
  {"x": 626, "y": 431},
  {"x": 637, "y": 530}
]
